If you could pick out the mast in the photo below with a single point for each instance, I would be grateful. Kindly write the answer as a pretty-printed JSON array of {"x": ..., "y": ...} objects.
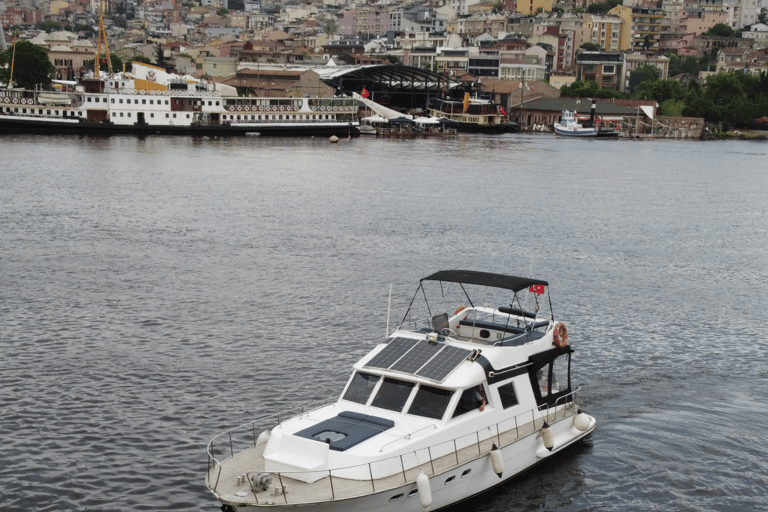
[
  {"x": 13, "y": 59},
  {"x": 102, "y": 35}
]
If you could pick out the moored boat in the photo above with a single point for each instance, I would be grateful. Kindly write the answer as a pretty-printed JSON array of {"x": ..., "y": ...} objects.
[
  {"x": 473, "y": 115},
  {"x": 449, "y": 405},
  {"x": 125, "y": 104},
  {"x": 570, "y": 126}
]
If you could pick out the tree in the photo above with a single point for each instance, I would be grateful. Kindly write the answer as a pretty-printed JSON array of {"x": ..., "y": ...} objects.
[
  {"x": 678, "y": 65},
  {"x": 48, "y": 26},
  {"x": 31, "y": 66},
  {"x": 160, "y": 56},
  {"x": 720, "y": 30},
  {"x": 644, "y": 73},
  {"x": 589, "y": 89},
  {"x": 660, "y": 90},
  {"x": 591, "y": 47},
  {"x": 222, "y": 12}
]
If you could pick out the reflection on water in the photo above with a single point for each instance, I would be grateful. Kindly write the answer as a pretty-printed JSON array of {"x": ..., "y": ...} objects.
[{"x": 156, "y": 291}]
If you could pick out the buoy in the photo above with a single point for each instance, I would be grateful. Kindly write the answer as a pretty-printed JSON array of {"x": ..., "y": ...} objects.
[
  {"x": 581, "y": 421},
  {"x": 333, "y": 139},
  {"x": 497, "y": 460},
  {"x": 425, "y": 493},
  {"x": 263, "y": 438},
  {"x": 546, "y": 435}
]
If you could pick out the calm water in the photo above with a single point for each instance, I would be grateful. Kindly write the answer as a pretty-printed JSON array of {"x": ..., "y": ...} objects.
[{"x": 154, "y": 292}]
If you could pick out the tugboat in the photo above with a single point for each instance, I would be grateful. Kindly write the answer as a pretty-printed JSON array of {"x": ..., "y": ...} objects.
[
  {"x": 569, "y": 126},
  {"x": 456, "y": 400}
]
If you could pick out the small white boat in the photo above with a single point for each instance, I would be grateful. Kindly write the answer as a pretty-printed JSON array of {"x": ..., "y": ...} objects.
[
  {"x": 452, "y": 403},
  {"x": 570, "y": 126}
]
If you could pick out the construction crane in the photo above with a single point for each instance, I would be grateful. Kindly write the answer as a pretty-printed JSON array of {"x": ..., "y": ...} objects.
[{"x": 102, "y": 35}]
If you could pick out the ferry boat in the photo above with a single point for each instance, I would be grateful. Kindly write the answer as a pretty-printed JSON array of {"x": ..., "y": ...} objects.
[
  {"x": 460, "y": 398},
  {"x": 125, "y": 104},
  {"x": 473, "y": 115}
]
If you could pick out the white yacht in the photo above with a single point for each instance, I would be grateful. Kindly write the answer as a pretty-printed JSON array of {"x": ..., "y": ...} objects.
[{"x": 460, "y": 398}]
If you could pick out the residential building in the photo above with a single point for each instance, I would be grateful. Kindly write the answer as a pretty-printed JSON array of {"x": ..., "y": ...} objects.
[
  {"x": 604, "y": 68},
  {"x": 604, "y": 31},
  {"x": 646, "y": 28},
  {"x": 454, "y": 61}
]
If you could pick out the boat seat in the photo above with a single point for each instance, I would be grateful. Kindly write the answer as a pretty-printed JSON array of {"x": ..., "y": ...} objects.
[
  {"x": 492, "y": 327},
  {"x": 354, "y": 427}
]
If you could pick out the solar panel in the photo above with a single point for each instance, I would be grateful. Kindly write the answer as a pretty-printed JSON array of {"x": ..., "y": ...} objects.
[
  {"x": 391, "y": 353},
  {"x": 443, "y": 363},
  {"x": 417, "y": 357},
  {"x": 434, "y": 361}
]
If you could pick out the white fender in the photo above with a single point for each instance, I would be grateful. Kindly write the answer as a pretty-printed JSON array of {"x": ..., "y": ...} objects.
[
  {"x": 497, "y": 459},
  {"x": 263, "y": 438},
  {"x": 581, "y": 422},
  {"x": 546, "y": 435},
  {"x": 425, "y": 493}
]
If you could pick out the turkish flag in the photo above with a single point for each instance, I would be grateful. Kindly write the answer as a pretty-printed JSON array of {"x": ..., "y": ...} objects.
[
  {"x": 364, "y": 94},
  {"x": 536, "y": 288}
]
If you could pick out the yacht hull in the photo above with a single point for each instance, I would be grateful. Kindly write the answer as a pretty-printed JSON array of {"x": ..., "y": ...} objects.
[
  {"x": 460, "y": 483},
  {"x": 20, "y": 124}
]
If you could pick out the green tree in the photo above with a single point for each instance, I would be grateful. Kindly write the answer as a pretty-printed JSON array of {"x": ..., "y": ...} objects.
[
  {"x": 644, "y": 73},
  {"x": 671, "y": 108},
  {"x": 720, "y": 30},
  {"x": 48, "y": 26},
  {"x": 222, "y": 12},
  {"x": 31, "y": 65},
  {"x": 160, "y": 56},
  {"x": 677, "y": 65},
  {"x": 591, "y": 47},
  {"x": 660, "y": 90},
  {"x": 602, "y": 8},
  {"x": 589, "y": 89}
]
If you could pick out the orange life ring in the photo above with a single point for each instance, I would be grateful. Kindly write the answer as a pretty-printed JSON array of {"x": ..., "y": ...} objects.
[
  {"x": 459, "y": 309},
  {"x": 560, "y": 335}
]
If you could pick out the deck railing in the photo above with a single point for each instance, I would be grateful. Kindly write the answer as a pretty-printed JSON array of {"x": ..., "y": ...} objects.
[{"x": 391, "y": 472}]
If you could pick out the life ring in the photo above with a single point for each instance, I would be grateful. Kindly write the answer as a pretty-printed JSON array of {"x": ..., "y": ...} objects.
[
  {"x": 6, "y": 99},
  {"x": 282, "y": 108},
  {"x": 231, "y": 108},
  {"x": 459, "y": 309},
  {"x": 240, "y": 108},
  {"x": 247, "y": 108},
  {"x": 560, "y": 335},
  {"x": 15, "y": 100},
  {"x": 261, "y": 109}
]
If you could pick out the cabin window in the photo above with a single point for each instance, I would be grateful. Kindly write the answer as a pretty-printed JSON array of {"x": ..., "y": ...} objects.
[
  {"x": 471, "y": 399},
  {"x": 559, "y": 380},
  {"x": 508, "y": 396},
  {"x": 542, "y": 377},
  {"x": 361, "y": 387},
  {"x": 430, "y": 402},
  {"x": 392, "y": 394}
]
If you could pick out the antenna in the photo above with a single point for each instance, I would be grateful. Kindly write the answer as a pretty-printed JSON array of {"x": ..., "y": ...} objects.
[{"x": 389, "y": 305}]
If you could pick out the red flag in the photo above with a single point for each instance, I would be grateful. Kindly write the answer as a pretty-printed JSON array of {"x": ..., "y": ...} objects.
[
  {"x": 502, "y": 110},
  {"x": 364, "y": 94},
  {"x": 536, "y": 288}
]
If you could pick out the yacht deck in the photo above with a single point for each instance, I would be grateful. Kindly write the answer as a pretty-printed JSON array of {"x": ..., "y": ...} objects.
[{"x": 223, "y": 478}]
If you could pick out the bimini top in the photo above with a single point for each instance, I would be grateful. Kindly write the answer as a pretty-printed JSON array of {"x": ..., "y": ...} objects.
[{"x": 485, "y": 279}]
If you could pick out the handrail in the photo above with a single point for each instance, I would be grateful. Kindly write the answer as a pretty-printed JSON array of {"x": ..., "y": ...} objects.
[
  {"x": 407, "y": 436},
  {"x": 543, "y": 413}
]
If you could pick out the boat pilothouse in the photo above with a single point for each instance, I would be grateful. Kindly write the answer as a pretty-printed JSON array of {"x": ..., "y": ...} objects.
[{"x": 459, "y": 398}]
